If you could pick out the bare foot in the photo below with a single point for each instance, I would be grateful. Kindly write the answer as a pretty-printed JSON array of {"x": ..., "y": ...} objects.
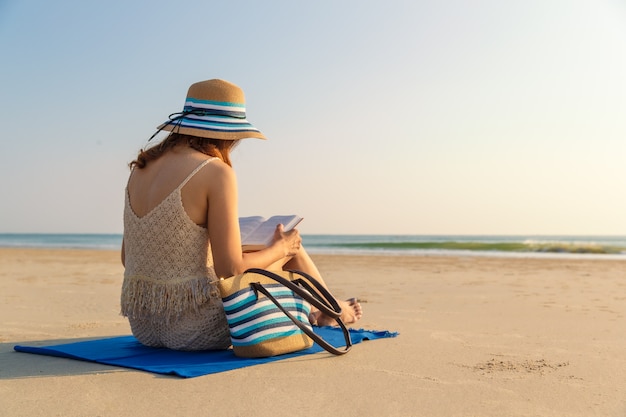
[{"x": 350, "y": 313}]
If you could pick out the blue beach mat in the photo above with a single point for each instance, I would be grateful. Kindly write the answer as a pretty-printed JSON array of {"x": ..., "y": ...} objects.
[{"x": 127, "y": 352}]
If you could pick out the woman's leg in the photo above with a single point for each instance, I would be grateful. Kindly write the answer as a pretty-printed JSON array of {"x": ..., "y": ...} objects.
[{"x": 350, "y": 309}]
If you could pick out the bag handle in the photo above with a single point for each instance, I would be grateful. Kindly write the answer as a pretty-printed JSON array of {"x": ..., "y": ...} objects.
[
  {"x": 318, "y": 339},
  {"x": 311, "y": 299},
  {"x": 322, "y": 300}
]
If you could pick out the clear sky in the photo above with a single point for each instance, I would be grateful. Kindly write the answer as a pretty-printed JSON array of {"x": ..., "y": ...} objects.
[{"x": 394, "y": 117}]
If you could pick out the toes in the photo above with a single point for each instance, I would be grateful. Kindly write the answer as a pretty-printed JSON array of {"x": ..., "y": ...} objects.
[
  {"x": 356, "y": 307},
  {"x": 313, "y": 318}
]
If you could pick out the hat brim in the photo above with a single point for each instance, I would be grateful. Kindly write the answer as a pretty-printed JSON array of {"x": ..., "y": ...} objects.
[{"x": 212, "y": 132}]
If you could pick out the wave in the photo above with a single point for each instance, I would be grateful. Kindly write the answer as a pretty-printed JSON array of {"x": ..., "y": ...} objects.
[
  {"x": 475, "y": 246},
  {"x": 385, "y": 244}
]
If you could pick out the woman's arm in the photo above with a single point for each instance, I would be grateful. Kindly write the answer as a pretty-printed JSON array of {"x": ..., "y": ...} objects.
[{"x": 224, "y": 234}]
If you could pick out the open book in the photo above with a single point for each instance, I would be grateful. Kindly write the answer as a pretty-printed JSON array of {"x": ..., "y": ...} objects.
[{"x": 257, "y": 232}]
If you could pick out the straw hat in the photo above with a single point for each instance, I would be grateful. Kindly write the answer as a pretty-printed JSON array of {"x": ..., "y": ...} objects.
[{"x": 213, "y": 109}]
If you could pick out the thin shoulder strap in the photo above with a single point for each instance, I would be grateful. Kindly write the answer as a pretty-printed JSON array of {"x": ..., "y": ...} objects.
[{"x": 195, "y": 171}]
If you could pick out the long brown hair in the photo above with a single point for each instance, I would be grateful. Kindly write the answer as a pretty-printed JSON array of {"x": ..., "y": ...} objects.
[{"x": 213, "y": 147}]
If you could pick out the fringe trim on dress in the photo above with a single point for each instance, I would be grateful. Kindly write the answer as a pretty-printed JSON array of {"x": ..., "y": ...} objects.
[{"x": 144, "y": 297}]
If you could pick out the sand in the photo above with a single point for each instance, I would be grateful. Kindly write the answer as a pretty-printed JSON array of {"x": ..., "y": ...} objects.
[{"x": 478, "y": 337}]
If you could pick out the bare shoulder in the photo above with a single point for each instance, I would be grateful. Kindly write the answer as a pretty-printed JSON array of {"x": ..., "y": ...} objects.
[
  {"x": 217, "y": 174},
  {"x": 218, "y": 168}
]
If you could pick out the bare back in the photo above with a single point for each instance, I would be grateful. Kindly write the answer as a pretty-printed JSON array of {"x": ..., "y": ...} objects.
[{"x": 149, "y": 186}]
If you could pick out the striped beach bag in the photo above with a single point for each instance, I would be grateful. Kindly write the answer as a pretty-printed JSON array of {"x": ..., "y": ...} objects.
[{"x": 268, "y": 312}]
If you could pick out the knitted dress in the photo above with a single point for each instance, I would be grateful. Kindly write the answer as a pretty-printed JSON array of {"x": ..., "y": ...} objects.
[{"x": 167, "y": 294}]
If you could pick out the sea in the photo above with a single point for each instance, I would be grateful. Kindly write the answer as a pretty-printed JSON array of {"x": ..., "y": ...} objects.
[{"x": 588, "y": 247}]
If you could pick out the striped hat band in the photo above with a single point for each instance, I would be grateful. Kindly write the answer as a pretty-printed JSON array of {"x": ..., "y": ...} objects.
[{"x": 213, "y": 109}]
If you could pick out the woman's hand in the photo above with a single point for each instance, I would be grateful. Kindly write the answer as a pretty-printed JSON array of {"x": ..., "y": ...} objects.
[{"x": 290, "y": 241}]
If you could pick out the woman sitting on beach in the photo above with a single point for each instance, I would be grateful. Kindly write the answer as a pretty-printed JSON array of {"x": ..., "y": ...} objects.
[{"x": 181, "y": 229}]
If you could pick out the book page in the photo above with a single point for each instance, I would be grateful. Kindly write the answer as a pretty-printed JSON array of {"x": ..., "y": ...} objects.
[
  {"x": 247, "y": 225},
  {"x": 264, "y": 232}
]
